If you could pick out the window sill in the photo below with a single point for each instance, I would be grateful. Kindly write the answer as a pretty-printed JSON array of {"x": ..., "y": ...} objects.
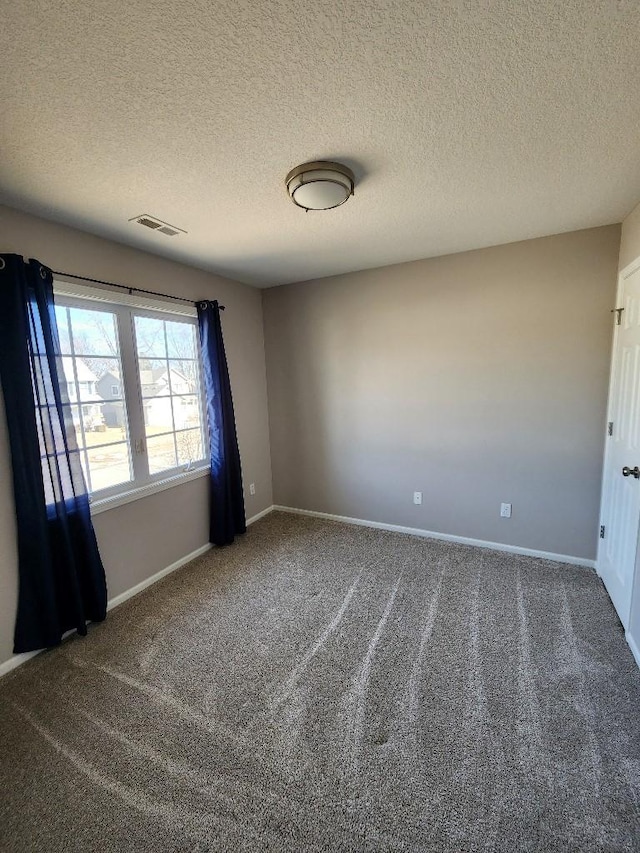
[{"x": 103, "y": 504}]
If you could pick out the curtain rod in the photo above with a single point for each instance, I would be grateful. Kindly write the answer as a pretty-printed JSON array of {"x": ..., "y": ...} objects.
[{"x": 132, "y": 289}]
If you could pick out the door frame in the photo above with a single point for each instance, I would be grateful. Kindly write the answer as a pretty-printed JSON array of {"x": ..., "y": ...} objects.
[{"x": 623, "y": 275}]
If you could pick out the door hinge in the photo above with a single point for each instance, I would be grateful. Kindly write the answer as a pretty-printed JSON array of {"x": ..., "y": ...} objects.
[
  {"x": 610, "y": 428},
  {"x": 602, "y": 529},
  {"x": 618, "y": 313}
]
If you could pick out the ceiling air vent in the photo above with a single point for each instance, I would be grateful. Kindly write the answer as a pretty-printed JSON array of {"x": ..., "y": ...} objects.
[{"x": 157, "y": 225}]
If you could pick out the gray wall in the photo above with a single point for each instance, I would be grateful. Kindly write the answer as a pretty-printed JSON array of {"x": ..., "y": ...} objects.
[
  {"x": 476, "y": 378},
  {"x": 141, "y": 538}
]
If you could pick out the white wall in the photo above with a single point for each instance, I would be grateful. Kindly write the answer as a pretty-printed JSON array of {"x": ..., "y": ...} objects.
[{"x": 139, "y": 539}]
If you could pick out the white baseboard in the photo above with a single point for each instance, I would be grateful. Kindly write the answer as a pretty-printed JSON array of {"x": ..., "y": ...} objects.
[
  {"x": 15, "y": 661},
  {"x": 259, "y": 515},
  {"x": 445, "y": 537},
  {"x": 633, "y": 646},
  {"x": 129, "y": 593},
  {"x": 18, "y": 660}
]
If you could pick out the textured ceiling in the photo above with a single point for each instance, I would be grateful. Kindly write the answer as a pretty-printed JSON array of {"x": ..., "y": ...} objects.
[{"x": 467, "y": 123}]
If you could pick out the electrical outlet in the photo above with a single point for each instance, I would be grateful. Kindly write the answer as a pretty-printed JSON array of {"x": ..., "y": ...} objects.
[
  {"x": 505, "y": 510},
  {"x": 252, "y": 488},
  {"x": 417, "y": 498}
]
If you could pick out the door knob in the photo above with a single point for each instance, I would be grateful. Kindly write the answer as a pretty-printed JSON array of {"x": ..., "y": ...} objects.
[{"x": 631, "y": 472}]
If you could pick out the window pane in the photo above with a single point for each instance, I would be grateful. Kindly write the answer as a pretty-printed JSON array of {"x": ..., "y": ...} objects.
[
  {"x": 50, "y": 429},
  {"x": 161, "y": 452},
  {"x": 158, "y": 415},
  {"x": 76, "y": 418},
  {"x": 186, "y": 411},
  {"x": 170, "y": 382},
  {"x": 183, "y": 376},
  {"x": 63, "y": 329},
  {"x": 93, "y": 332},
  {"x": 41, "y": 379},
  {"x": 50, "y": 434},
  {"x": 80, "y": 387},
  {"x": 105, "y": 435},
  {"x": 95, "y": 377},
  {"x": 107, "y": 374},
  {"x": 109, "y": 465},
  {"x": 154, "y": 377},
  {"x": 150, "y": 341},
  {"x": 115, "y": 416},
  {"x": 57, "y": 468},
  {"x": 181, "y": 340},
  {"x": 89, "y": 374},
  {"x": 189, "y": 444}
]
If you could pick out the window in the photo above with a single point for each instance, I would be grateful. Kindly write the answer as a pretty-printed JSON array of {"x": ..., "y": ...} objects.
[
  {"x": 133, "y": 381},
  {"x": 170, "y": 384}
]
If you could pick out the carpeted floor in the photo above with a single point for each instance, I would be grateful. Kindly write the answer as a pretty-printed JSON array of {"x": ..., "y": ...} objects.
[{"x": 321, "y": 687}]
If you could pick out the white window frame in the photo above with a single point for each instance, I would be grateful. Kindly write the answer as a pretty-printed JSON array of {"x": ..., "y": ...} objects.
[{"x": 125, "y": 307}]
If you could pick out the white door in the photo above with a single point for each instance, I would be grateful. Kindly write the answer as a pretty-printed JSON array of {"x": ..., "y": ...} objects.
[{"x": 620, "y": 514}]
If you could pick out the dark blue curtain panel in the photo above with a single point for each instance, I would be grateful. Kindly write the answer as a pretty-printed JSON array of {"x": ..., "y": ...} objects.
[
  {"x": 227, "y": 516},
  {"x": 61, "y": 578}
]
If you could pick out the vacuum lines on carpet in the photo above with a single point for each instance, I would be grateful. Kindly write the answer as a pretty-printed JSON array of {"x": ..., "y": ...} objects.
[{"x": 323, "y": 687}]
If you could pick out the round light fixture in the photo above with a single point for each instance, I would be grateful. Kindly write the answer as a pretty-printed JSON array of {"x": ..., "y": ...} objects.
[{"x": 320, "y": 185}]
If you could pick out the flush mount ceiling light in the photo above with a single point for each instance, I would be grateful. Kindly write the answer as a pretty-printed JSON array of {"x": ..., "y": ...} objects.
[{"x": 320, "y": 185}]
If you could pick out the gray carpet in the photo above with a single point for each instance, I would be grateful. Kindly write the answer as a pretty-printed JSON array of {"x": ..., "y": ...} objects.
[{"x": 320, "y": 687}]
